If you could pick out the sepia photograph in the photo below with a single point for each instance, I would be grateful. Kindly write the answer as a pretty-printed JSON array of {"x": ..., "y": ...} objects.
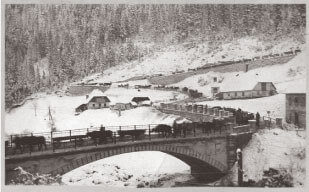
[{"x": 154, "y": 95}]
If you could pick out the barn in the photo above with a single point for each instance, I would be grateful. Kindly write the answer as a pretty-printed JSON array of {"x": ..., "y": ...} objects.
[
  {"x": 123, "y": 103},
  {"x": 142, "y": 101},
  {"x": 81, "y": 108},
  {"x": 95, "y": 100},
  {"x": 247, "y": 91}
]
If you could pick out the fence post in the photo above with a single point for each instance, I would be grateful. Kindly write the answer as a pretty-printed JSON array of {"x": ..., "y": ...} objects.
[
  {"x": 11, "y": 141},
  {"x": 52, "y": 141},
  {"x": 149, "y": 132},
  {"x": 87, "y": 130}
]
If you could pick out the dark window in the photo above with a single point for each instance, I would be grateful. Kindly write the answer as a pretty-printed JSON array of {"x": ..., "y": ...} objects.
[
  {"x": 228, "y": 94},
  {"x": 243, "y": 93},
  {"x": 215, "y": 79},
  {"x": 235, "y": 93},
  {"x": 93, "y": 105},
  {"x": 296, "y": 100},
  {"x": 99, "y": 105},
  {"x": 258, "y": 92},
  {"x": 263, "y": 86},
  {"x": 290, "y": 101}
]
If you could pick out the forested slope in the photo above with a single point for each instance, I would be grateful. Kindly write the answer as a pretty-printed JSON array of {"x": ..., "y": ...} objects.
[{"x": 77, "y": 40}]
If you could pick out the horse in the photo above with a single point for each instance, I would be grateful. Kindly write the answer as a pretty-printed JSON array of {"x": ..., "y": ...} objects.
[
  {"x": 163, "y": 129},
  {"x": 101, "y": 135},
  {"x": 30, "y": 141}
]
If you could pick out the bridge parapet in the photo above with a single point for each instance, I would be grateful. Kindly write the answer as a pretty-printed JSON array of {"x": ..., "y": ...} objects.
[{"x": 197, "y": 113}]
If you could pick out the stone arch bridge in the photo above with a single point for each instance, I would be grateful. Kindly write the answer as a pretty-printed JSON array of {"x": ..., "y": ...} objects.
[{"x": 210, "y": 157}]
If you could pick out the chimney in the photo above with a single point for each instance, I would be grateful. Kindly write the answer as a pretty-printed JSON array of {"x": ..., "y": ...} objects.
[{"x": 87, "y": 96}]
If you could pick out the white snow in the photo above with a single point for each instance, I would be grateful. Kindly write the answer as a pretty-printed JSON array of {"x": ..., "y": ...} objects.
[
  {"x": 129, "y": 170},
  {"x": 23, "y": 119},
  {"x": 267, "y": 148},
  {"x": 270, "y": 149},
  {"x": 177, "y": 58},
  {"x": 286, "y": 78}
]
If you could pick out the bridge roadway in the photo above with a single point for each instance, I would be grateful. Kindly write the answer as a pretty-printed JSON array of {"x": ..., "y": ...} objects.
[{"x": 210, "y": 156}]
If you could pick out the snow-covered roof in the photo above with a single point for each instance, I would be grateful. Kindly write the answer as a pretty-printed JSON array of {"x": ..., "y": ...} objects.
[
  {"x": 239, "y": 84},
  {"x": 115, "y": 100},
  {"x": 95, "y": 93}
]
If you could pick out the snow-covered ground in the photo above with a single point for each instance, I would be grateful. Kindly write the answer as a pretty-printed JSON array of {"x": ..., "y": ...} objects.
[
  {"x": 278, "y": 149},
  {"x": 266, "y": 149},
  {"x": 177, "y": 57},
  {"x": 148, "y": 169},
  {"x": 286, "y": 77},
  {"x": 24, "y": 119}
]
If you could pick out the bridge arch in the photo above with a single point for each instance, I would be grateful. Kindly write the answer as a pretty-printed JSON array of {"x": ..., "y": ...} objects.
[
  {"x": 197, "y": 161},
  {"x": 208, "y": 157}
]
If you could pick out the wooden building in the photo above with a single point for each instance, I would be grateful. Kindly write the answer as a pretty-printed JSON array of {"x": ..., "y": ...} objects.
[
  {"x": 296, "y": 109},
  {"x": 95, "y": 100},
  {"x": 250, "y": 90},
  {"x": 142, "y": 101}
]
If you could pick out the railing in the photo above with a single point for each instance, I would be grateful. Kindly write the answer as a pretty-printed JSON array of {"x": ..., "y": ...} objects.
[
  {"x": 77, "y": 138},
  {"x": 268, "y": 122}
]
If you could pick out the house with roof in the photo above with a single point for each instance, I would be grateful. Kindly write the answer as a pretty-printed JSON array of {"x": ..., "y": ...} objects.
[
  {"x": 95, "y": 100},
  {"x": 296, "y": 105},
  {"x": 122, "y": 103},
  {"x": 142, "y": 101},
  {"x": 247, "y": 90}
]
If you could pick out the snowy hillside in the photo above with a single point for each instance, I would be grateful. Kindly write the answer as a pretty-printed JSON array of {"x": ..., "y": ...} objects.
[
  {"x": 178, "y": 58},
  {"x": 289, "y": 77},
  {"x": 270, "y": 149},
  {"x": 283, "y": 76},
  {"x": 33, "y": 115}
]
